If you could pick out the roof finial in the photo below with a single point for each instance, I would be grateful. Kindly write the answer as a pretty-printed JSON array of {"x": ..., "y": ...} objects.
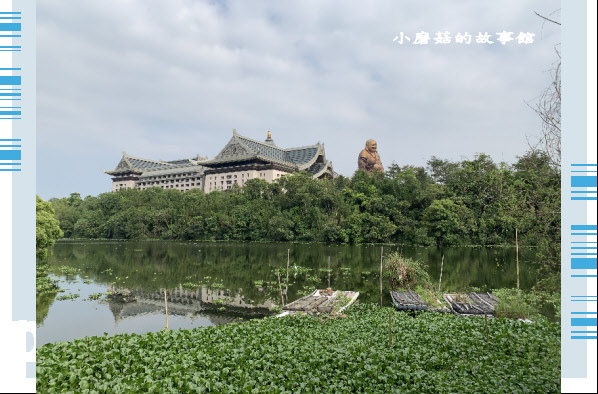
[{"x": 269, "y": 134}]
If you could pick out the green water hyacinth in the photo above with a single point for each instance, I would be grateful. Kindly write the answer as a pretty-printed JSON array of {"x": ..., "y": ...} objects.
[{"x": 430, "y": 352}]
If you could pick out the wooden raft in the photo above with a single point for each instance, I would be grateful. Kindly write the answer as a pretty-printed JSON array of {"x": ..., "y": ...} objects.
[
  {"x": 472, "y": 303},
  {"x": 323, "y": 302},
  {"x": 408, "y": 301}
]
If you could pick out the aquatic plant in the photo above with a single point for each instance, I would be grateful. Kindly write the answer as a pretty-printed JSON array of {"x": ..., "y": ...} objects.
[{"x": 432, "y": 353}]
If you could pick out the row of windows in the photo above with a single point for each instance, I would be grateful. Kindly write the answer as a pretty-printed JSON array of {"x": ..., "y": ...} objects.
[
  {"x": 233, "y": 176},
  {"x": 172, "y": 176}
]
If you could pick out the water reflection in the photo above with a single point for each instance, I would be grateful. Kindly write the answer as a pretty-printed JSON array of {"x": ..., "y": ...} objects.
[{"x": 216, "y": 283}]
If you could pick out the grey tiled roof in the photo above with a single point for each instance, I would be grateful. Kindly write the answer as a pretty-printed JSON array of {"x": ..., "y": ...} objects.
[
  {"x": 301, "y": 155},
  {"x": 144, "y": 164},
  {"x": 172, "y": 170},
  {"x": 264, "y": 149},
  {"x": 242, "y": 148},
  {"x": 316, "y": 167},
  {"x": 179, "y": 162}
]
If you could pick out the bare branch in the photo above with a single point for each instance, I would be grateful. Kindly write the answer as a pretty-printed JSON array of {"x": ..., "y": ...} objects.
[{"x": 545, "y": 18}]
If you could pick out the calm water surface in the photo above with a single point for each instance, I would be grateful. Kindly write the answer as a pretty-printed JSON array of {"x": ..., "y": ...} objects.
[{"x": 216, "y": 283}]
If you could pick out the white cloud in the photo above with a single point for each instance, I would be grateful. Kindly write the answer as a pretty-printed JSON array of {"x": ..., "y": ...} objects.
[{"x": 172, "y": 79}]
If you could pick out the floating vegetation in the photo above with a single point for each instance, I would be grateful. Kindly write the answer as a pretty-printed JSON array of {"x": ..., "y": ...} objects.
[
  {"x": 68, "y": 271},
  {"x": 71, "y": 297},
  {"x": 350, "y": 354},
  {"x": 95, "y": 296},
  {"x": 191, "y": 285}
]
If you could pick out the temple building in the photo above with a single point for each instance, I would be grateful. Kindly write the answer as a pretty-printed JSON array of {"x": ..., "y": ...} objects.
[{"x": 240, "y": 160}]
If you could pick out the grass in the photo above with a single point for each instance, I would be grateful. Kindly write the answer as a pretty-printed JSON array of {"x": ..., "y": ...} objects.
[{"x": 431, "y": 352}]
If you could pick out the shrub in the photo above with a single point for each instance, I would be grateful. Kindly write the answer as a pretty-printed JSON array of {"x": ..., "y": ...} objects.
[{"x": 405, "y": 273}]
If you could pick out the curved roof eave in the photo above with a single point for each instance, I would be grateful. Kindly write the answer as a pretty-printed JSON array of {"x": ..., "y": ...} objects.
[
  {"x": 308, "y": 164},
  {"x": 327, "y": 167}
]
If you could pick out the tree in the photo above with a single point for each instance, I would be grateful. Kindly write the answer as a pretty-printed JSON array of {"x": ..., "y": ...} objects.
[
  {"x": 548, "y": 108},
  {"x": 47, "y": 230}
]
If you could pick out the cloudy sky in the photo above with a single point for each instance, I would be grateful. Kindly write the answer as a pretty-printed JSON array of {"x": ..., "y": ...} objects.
[{"x": 171, "y": 79}]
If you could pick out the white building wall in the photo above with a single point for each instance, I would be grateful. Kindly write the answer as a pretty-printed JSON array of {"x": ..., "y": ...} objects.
[
  {"x": 117, "y": 185},
  {"x": 226, "y": 180}
]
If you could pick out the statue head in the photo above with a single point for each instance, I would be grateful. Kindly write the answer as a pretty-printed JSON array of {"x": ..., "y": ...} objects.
[{"x": 371, "y": 146}]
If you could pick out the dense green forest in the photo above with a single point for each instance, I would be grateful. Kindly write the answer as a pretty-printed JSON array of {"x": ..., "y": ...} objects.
[{"x": 472, "y": 202}]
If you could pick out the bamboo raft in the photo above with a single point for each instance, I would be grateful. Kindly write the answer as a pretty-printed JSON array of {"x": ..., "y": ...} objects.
[
  {"x": 472, "y": 304},
  {"x": 322, "y": 301},
  {"x": 408, "y": 301}
]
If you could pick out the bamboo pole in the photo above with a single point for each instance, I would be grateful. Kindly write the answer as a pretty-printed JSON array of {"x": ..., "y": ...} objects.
[
  {"x": 389, "y": 329},
  {"x": 328, "y": 271},
  {"x": 288, "y": 261},
  {"x": 441, "y": 266},
  {"x": 486, "y": 319},
  {"x": 381, "y": 254},
  {"x": 166, "y": 308},
  {"x": 280, "y": 287},
  {"x": 517, "y": 251}
]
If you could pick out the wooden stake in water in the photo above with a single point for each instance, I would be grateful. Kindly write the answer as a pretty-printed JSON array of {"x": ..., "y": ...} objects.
[
  {"x": 441, "y": 266},
  {"x": 517, "y": 250},
  {"x": 280, "y": 287},
  {"x": 328, "y": 271},
  {"x": 288, "y": 261},
  {"x": 166, "y": 308},
  {"x": 381, "y": 254},
  {"x": 389, "y": 329},
  {"x": 486, "y": 318}
]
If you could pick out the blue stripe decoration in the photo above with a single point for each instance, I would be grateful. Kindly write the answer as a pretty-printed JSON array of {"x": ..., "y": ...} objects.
[
  {"x": 583, "y": 313},
  {"x": 10, "y": 94},
  {"x": 10, "y": 146},
  {"x": 588, "y": 337},
  {"x": 583, "y": 264},
  {"x": 10, "y": 169},
  {"x": 10, "y": 80},
  {"x": 19, "y": 113},
  {"x": 10, "y": 164},
  {"x": 583, "y": 276},
  {"x": 18, "y": 139},
  {"x": 10, "y": 154},
  {"x": 575, "y": 247},
  {"x": 584, "y": 165},
  {"x": 583, "y": 181},
  {"x": 584, "y": 227},
  {"x": 583, "y": 321},
  {"x": 10, "y": 27}
]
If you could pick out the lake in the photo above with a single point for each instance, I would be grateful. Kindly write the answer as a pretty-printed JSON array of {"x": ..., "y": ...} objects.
[{"x": 117, "y": 287}]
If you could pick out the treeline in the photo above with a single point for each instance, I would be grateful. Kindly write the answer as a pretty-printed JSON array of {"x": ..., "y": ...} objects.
[{"x": 472, "y": 202}]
